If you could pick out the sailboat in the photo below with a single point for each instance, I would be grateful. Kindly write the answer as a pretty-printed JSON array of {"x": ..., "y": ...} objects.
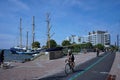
[{"x": 20, "y": 49}]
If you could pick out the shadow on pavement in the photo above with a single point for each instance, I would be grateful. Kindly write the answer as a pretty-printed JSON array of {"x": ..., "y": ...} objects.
[
  {"x": 54, "y": 77},
  {"x": 61, "y": 76}
]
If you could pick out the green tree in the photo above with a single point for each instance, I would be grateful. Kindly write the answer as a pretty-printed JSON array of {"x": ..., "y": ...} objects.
[
  {"x": 89, "y": 45},
  {"x": 114, "y": 47},
  {"x": 76, "y": 47},
  {"x": 83, "y": 45},
  {"x": 36, "y": 44},
  {"x": 66, "y": 43},
  {"x": 52, "y": 43},
  {"x": 99, "y": 46}
]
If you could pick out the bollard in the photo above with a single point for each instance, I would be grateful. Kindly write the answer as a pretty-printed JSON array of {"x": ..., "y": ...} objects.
[
  {"x": 111, "y": 77},
  {"x": 114, "y": 77}
]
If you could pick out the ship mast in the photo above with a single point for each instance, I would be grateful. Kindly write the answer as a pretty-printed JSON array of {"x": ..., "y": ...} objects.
[
  {"x": 27, "y": 41},
  {"x": 33, "y": 30},
  {"x": 20, "y": 33},
  {"x": 48, "y": 29}
]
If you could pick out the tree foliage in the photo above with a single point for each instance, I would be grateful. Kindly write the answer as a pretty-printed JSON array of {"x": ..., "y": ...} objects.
[
  {"x": 99, "y": 46},
  {"x": 89, "y": 45},
  {"x": 53, "y": 43},
  {"x": 78, "y": 47},
  {"x": 66, "y": 43},
  {"x": 36, "y": 44},
  {"x": 114, "y": 48}
]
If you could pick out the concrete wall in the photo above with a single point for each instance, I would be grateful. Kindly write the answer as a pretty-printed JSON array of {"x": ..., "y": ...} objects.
[
  {"x": 51, "y": 55},
  {"x": 55, "y": 54}
]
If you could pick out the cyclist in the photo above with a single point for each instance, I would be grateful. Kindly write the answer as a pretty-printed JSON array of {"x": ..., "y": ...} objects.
[{"x": 70, "y": 58}]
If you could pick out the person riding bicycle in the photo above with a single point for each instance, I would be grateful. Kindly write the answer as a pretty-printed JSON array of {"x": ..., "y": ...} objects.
[{"x": 70, "y": 58}]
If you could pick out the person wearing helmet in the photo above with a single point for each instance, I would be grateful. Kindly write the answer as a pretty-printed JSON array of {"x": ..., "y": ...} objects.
[{"x": 70, "y": 58}]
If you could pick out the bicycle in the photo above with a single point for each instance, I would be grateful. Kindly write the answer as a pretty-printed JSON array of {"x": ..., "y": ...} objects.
[{"x": 68, "y": 68}]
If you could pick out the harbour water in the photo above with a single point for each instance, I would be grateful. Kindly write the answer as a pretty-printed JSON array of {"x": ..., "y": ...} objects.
[{"x": 8, "y": 56}]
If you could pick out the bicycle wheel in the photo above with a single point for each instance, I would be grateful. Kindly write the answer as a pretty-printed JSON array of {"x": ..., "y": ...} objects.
[{"x": 67, "y": 69}]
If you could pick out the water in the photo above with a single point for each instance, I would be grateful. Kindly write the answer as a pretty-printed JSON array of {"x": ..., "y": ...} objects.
[{"x": 8, "y": 56}]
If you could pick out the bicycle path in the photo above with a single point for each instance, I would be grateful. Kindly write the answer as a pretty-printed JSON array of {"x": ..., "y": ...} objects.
[{"x": 94, "y": 69}]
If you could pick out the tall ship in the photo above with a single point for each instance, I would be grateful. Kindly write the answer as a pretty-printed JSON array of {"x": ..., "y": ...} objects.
[{"x": 21, "y": 49}]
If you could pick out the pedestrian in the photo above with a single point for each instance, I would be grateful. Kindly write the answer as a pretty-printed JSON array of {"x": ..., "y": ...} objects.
[
  {"x": 1, "y": 58},
  {"x": 97, "y": 50}
]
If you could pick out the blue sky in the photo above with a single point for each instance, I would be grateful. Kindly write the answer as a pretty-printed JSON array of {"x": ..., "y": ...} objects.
[{"x": 68, "y": 17}]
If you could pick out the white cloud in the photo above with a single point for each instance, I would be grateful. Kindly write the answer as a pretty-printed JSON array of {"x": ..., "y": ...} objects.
[
  {"x": 82, "y": 4},
  {"x": 20, "y": 4},
  {"x": 91, "y": 4}
]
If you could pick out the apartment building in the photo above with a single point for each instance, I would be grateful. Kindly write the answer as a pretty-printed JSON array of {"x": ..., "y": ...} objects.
[
  {"x": 99, "y": 37},
  {"x": 95, "y": 37}
]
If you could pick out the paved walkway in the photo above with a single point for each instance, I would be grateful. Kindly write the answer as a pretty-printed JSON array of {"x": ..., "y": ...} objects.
[
  {"x": 38, "y": 68},
  {"x": 115, "y": 70}
]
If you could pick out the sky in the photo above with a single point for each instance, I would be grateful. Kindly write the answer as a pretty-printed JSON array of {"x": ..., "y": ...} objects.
[{"x": 67, "y": 17}]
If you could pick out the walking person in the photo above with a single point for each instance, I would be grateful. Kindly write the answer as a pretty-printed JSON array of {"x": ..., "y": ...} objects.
[
  {"x": 97, "y": 50},
  {"x": 1, "y": 58}
]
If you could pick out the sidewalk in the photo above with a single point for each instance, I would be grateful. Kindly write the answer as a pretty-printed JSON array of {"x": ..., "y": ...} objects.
[
  {"x": 115, "y": 70},
  {"x": 38, "y": 68}
]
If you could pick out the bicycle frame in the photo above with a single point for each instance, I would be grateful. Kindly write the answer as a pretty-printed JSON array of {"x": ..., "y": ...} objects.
[{"x": 68, "y": 68}]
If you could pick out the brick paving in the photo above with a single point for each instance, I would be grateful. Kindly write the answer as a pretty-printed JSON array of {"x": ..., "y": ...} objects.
[{"x": 39, "y": 68}]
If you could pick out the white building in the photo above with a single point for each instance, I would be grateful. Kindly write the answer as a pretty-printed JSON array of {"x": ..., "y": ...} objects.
[
  {"x": 99, "y": 37},
  {"x": 73, "y": 39},
  {"x": 78, "y": 39},
  {"x": 84, "y": 39}
]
